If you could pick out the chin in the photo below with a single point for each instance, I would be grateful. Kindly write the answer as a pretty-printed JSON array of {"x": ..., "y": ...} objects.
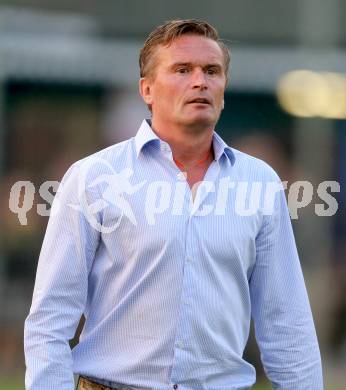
[{"x": 200, "y": 120}]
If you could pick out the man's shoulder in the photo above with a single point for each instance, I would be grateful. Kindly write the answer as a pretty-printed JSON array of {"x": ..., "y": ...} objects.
[
  {"x": 105, "y": 161},
  {"x": 254, "y": 167},
  {"x": 110, "y": 154}
]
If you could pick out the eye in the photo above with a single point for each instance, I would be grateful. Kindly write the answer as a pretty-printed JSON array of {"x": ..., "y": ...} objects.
[
  {"x": 211, "y": 71},
  {"x": 182, "y": 70}
]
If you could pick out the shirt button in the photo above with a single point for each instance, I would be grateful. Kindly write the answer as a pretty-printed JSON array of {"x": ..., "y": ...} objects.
[
  {"x": 188, "y": 258},
  {"x": 175, "y": 386},
  {"x": 179, "y": 344}
]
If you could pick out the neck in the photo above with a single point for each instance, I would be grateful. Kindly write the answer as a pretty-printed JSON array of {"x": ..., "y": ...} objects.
[{"x": 189, "y": 145}]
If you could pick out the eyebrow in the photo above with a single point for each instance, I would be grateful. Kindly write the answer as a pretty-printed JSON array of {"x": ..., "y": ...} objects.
[{"x": 191, "y": 64}]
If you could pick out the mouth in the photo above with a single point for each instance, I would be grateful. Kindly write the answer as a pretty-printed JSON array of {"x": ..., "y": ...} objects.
[{"x": 199, "y": 101}]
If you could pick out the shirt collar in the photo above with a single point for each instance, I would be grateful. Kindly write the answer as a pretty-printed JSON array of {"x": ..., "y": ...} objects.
[
  {"x": 220, "y": 148},
  {"x": 146, "y": 135}
]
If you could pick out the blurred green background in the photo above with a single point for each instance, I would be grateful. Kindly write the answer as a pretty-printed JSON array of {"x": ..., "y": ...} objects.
[{"x": 68, "y": 87}]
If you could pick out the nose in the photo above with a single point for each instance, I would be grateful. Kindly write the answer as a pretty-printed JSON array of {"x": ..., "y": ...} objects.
[{"x": 199, "y": 79}]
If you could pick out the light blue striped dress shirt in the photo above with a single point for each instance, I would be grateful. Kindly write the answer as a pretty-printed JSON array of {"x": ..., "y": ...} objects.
[{"x": 168, "y": 284}]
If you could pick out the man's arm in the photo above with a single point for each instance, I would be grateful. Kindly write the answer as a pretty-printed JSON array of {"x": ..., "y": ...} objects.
[
  {"x": 60, "y": 291},
  {"x": 284, "y": 326}
]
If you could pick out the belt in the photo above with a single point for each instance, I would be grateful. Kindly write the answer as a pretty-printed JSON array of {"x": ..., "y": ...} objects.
[{"x": 87, "y": 384}]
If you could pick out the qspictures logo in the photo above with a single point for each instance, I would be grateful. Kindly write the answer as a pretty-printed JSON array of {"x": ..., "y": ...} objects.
[{"x": 118, "y": 189}]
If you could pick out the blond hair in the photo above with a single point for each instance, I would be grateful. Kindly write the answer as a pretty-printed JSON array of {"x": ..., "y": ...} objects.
[{"x": 171, "y": 30}]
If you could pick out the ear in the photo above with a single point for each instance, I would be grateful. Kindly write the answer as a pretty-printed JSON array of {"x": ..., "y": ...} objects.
[{"x": 145, "y": 89}]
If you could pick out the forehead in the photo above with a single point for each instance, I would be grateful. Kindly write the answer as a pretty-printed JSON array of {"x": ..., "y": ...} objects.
[{"x": 190, "y": 48}]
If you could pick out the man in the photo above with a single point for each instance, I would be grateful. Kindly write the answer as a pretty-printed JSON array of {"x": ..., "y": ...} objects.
[{"x": 150, "y": 239}]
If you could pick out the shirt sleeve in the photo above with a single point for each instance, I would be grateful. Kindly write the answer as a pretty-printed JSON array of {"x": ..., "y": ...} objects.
[
  {"x": 283, "y": 321},
  {"x": 60, "y": 290}
]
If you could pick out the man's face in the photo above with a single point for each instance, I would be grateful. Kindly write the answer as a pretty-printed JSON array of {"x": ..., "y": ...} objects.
[{"x": 187, "y": 87}]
